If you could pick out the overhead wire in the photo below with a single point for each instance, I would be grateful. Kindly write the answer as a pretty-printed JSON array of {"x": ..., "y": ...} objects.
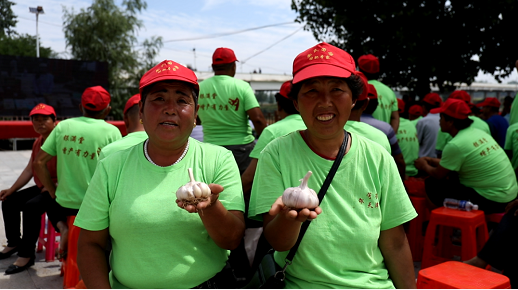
[{"x": 284, "y": 38}]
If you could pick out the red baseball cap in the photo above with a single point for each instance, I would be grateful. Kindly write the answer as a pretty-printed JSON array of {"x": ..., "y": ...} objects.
[
  {"x": 322, "y": 60},
  {"x": 454, "y": 108},
  {"x": 460, "y": 95},
  {"x": 365, "y": 92},
  {"x": 131, "y": 102},
  {"x": 369, "y": 63},
  {"x": 42, "y": 109},
  {"x": 416, "y": 110},
  {"x": 95, "y": 98},
  {"x": 223, "y": 55},
  {"x": 401, "y": 105},
  {"x": 371, "y": 91},
  {"x": 285, "y": 89},
  {"x": 490, "y": 102},
  {"x": 433, "y": 99},
  {"x": 169, "y": 70}
]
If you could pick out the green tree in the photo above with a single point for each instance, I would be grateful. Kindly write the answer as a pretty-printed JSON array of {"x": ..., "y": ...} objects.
[
  {"x": 7, "y": 18},
  {"x": 420, "y": 42},
  {"x": 23, "y": 45},
  {"x": 107, "y": 32}
]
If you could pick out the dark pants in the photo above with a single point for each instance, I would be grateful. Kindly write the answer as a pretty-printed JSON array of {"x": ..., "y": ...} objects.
[
  {"x": 32, "y": 211},
  {"x": 241, "y": 155},
  {"x": 500, "y": 250},
  {"x": 437, "y": 190}
]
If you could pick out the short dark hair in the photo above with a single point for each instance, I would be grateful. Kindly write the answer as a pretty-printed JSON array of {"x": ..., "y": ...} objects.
[
  {"x": 132, "y": 112},
  {"x": 147, "y": 89},
  {"x": 222, "y": 67},
  {"x": 372, "y": 106},
  {"x": 359, "y": 105},
  {"x": 94, "y": 114},
  {"x": 429, "y": 106},
  {"x": 286, "y": 104},
  {"x": 459, "y": 124},
  {"x": 51, "y": 116},
  {"x": 354, "y": 82}
]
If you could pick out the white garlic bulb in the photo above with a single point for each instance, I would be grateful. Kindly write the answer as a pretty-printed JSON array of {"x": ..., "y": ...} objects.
[
  {"x": 302, "y": 196},
  {"x": 193, "y": 192}
]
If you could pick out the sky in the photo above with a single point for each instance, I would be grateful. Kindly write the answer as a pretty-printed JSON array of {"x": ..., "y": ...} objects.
[{"x": 174, "y": 19}]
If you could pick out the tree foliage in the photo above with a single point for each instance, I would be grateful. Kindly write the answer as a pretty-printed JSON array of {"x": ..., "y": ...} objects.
[
  {"x": 107, "y": 32},
  {"x": 420, "y": 42},
  {"x": 7, "y": 18},
  {"x": 23, "y": 45}
]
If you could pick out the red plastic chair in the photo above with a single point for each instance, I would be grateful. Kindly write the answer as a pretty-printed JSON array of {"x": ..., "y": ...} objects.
[
  {"x": 414, "y": 233},
  {"x": 70, "y": 271},
  {"x": 457, "y": 275},
  {"x": 415, "y": 187},
  {"x": 47, "y": 239},
  {"x": 494, "y": 217},
  {"x": 439, "y": 248}
]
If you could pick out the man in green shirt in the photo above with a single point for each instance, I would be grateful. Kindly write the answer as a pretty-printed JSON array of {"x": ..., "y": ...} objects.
[
  {"x": 226, "y": 103},
  {"x": 485, "y": 175},
  {"x": 387, "y": 110},
  {"x": 407, "y": 140},
  {"x": 135, "y": 129}
]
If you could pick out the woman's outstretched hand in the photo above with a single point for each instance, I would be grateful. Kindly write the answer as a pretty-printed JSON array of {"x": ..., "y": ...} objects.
[
  {"x": 302, "y": 215},
  {"x": 215, "y": 189}
]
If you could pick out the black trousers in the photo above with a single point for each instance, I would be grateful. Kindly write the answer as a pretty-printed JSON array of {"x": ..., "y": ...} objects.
[
  {"x": 500, "y": 250},
  {"x": 242, "y": 155}
]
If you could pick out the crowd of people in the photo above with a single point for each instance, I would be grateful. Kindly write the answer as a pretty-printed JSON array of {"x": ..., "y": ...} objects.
[{"x": 136, "y": 232}]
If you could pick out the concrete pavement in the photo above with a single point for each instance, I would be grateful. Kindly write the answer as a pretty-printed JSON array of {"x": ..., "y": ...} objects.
[{"x": 42, "y": 274}]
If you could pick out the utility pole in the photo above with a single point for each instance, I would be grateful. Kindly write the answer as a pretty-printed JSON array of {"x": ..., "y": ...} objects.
[
  {"x": 194, "y": 51},
  {"x": 38, "y": 10}
]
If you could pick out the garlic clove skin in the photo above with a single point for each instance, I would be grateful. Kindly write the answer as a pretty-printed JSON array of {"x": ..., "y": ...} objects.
[
  {"x": 302, "y": 196},
  {"x": 193, "y": 192}
]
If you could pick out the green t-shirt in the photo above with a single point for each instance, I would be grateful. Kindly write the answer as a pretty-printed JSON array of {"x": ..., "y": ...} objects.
[
  {"x": 482, "y": 165},
  {"x": 444, "y": 138},
  {"x": 287, "y": 125},
  {"x": 223, "y": 102},
  {"x": 126, "y": 142},
  {"x": 414, "y": 121},
  {"x": 407, "y": 140},
  {"x": 156, "y": 244},
  {"x": 387, "y": 101},
  {"x": 369, "y": 132},
  {"x": 511, "y": 143},
  {"x": 514, "y": 111},
  {"x": 77, "y": 143},
  {"x": 340, "y": 248}
]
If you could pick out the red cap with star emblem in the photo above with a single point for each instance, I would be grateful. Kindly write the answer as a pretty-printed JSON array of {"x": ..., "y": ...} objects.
[
  {"x": 42, "y": 109},
  {"x": 433, "y": 99},
  {"x": 454, "y": 108},
  {"x": 223, "y": 55},
  {"x": 285, "y": 89},
  {"x": 416, "y": 110},
  {"x": 369, "y": 63},
  {"x": 132, "y": 102},
  {"x": 95, "y": 98},
  {"x": 323, "y": 60},
  {"x": 169, "y": 70},
  {"x": 490, "y": 102}
]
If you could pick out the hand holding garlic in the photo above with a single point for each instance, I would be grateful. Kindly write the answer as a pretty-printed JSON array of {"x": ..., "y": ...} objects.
[
  {"x": 302, "y": 196},
  {"x": 193, "y": 192}
]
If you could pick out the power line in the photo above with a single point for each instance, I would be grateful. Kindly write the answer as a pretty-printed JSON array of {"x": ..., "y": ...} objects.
[
  {"x": 228, "y": 33},
  {"x": 289, "y": 35},
  {"x": 48, "y": 23}
]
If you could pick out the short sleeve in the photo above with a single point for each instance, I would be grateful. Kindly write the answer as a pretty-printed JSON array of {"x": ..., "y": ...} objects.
[
  {"x": 395, "y": 107},
  {"x": 49, "y": 146},
  {"x": 227, "y": 175},
  {"x": 452, "y": 158},
  {"x": 94, "y": 211},
  {"x": 509, "y": 139},
  {"x": 265, "y": 138},
  {"x": 249, "y": 97}
]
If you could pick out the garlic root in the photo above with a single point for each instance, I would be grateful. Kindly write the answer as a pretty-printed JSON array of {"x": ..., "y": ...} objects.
[{"x": 193, "y": 192}]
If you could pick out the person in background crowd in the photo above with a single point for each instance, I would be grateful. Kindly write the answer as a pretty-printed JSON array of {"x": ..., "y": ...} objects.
[
  {"x": 428, "y": 126},
  {"x": 500, "y": 249},
  {"x": 363, "y": 129},
  {"x": 407, "y": 140},
  {"x": 511, "y": 145},
  {"x": 197, "y": 131},
  {"x": 225, "y": 105},
  {"x": 506, "y": 110},
  {"x": 367, "y": 118},
  {"x": 485, "y": 175},
  {"x": 497, "y": 124},
  {"x": 387, "y": 110},
  {"x": 14, "y": 200},
  {"x": 443, "y": 138},
  {"x": 415, "y": 113},
  {"x": 77, "y": 142},
  {"x": 134, "y": 127},
  {"x": 365, "y": 196},
  {"x": 131, "y": 199}
]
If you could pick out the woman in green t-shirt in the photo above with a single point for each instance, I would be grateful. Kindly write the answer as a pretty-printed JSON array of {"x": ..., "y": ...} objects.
[
  {"x": 356, "y": 238},
  {"x": 157, "y": 240}
]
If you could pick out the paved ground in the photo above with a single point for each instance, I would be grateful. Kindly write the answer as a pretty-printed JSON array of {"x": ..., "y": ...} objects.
[{"x": 42, "y": 274}]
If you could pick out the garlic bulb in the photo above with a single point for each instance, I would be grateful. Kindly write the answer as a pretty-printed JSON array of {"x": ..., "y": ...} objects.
[
  {"x": 302, "y": 196},
  {"x": 193, "y": 192}
]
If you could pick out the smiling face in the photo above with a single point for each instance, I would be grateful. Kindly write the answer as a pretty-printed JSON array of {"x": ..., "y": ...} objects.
[
  {"x": 42, "y": 124},
  {"x": 325, "y": 104},
  {"x": 169, "y": 112}
]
